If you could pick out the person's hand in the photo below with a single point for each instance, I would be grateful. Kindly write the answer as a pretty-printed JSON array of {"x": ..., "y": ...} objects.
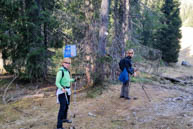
[
  {"x": 135, "y": 69},
  {"x": 134, "y": 74},
  {"x": 63, "y": 90},
  {"x": 77, "y": 79}
]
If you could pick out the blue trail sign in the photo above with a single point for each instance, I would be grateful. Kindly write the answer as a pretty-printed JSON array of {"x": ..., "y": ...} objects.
[{"x": 69, "y": 51}]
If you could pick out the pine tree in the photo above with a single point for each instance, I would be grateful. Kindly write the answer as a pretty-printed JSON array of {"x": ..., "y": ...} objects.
[
  {"x": 168, "y": 37},
  {"x": 28, "y": 28}
]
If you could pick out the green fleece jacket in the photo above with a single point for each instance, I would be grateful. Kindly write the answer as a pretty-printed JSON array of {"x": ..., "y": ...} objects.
[{"x": 62, "y": 82}]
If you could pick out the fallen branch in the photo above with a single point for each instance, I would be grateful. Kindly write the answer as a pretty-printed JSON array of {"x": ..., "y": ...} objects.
[
  {"x": 173, "y": 79},
  {"x": 22, "y": 112},
  {"x": 4, "y": 97}
]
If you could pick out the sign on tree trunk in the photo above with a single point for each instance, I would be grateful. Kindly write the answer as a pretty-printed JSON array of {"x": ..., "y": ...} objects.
[{"x": 69, "y": 51}]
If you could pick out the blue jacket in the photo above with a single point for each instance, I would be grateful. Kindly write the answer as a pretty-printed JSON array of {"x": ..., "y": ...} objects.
[{"x": 124, "y": 76}]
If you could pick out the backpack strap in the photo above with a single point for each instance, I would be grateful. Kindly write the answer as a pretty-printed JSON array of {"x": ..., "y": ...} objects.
[{"x": 62, "y": 72}]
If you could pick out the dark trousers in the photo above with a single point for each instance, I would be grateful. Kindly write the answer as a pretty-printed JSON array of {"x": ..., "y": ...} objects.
[
  {"x": 125, "y": 89},
  {"x": 62, "y": 114}
]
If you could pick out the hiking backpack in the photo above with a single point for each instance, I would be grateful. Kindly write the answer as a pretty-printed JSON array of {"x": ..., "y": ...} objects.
[{"x": 122, "y": 64}]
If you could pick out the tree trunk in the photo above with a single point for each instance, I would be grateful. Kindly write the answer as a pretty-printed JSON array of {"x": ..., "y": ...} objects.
[
  {"x": 2, "y": 70},
  {"x": 126, "y": 23},
  {"x": 103, "y": 32},
  {"x": 117, "y": 41},
  {"x": 89, "y": 42}
]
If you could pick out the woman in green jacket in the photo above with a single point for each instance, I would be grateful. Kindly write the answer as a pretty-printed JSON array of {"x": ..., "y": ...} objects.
[{"x": 63, "y": 92}]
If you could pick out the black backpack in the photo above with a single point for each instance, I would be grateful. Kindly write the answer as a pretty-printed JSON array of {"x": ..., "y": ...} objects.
[{"x": 122, "y": 64}]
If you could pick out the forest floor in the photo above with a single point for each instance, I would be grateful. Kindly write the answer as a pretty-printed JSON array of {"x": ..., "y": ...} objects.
[{"x": 171, "y": 105}]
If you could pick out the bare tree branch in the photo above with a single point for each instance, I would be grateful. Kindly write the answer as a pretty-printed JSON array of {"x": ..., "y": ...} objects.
[{"x": 4, "y": 97}]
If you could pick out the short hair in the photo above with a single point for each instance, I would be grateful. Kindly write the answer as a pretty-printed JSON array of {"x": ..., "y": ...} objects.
[{"x": 130, "y": 51}]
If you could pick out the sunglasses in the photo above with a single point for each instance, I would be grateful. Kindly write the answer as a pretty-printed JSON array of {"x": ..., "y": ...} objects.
[{"x": 66, "y": 63}]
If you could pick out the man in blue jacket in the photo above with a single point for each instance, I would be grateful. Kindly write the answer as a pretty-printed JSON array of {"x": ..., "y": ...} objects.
[{"x": 128, "y": 65}]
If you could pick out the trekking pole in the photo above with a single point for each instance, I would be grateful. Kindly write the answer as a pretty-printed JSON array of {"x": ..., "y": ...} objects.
[
  {"x": 142, "y": 86},
  {"x": 73, "y": 114},
  {"x": 66, "y": 98},
  {"x": 75, "y": 86}
]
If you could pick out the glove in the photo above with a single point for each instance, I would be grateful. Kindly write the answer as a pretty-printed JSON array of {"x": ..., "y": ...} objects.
[{"x": 77, "y": 79}]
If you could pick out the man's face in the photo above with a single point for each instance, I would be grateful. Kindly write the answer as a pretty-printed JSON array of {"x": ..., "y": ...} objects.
[{"x": 130, "y": 54}]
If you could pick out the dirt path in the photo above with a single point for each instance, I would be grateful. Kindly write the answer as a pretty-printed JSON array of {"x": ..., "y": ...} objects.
[
  {"x": 170, "y": 108},
  {"x": 166, "y": 110}
]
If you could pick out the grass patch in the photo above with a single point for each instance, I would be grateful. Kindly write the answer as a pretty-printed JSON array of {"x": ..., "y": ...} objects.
[
  {"x": 93, "y": 92},
  {"x": 142, "y": 78},
  {"x": 22, "y": 104},
  {"x": 96, "y": 90},
  {"x": 8, "y": 114},
  {"x": 118, "y": 124}
]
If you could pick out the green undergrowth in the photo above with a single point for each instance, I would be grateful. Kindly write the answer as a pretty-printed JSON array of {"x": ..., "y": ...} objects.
[
  {"x": 96, "y": 90},
  {"x": 143, "y": 78},
  {"x": 118, "y": 124},
  {"x": 4, "y": 82}
]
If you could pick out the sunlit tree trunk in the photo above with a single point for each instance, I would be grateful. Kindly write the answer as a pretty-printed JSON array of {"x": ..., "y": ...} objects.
[
  {"x": 2, "y": 70},
  {"x": 89, "y": 42}
]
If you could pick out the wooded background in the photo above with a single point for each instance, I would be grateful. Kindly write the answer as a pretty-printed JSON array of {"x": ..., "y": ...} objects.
[{"x": 33, "y": 32}]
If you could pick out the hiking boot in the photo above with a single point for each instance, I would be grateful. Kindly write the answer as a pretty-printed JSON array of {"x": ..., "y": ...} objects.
[
  {"x": 121, "y": 96},
  {"x": 135, "y": 98},
  {"x": 67, "y": 121},
  {"x": 127, "y": 98}
]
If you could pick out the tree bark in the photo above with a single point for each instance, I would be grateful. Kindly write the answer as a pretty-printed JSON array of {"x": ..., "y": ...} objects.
[
  {"x": 104, "y": 27},
  {"x": 89, "y": 43},
  {"x": 126, "y": 23},
  {"x": 116, "y": 47},
  {"x": 103, "y": 33}
]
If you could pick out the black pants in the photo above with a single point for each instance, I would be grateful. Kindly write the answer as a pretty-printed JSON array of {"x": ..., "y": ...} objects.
[{"x": 62, "y": 114}]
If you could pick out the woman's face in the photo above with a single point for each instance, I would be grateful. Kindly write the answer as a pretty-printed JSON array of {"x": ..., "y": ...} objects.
[{"x": 66, "y": 64}]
